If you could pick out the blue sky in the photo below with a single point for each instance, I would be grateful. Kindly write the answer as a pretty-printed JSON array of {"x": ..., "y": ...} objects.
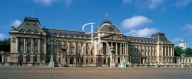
[{"x": 134, "y": 17}]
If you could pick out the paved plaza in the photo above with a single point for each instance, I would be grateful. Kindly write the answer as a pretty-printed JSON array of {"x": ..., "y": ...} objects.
[{"x": 93, "y": 73}]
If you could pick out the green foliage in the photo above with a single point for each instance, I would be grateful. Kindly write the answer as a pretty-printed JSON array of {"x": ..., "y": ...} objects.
[
  {"x": 178, "y": 51},
  {"x": 188, "y": 52},
  {"x": 5, "y": 45},
  {"x": 37, "y": 63}
]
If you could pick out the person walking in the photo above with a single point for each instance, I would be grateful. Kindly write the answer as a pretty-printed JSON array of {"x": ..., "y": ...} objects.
[{"x": 20, "y": 62}]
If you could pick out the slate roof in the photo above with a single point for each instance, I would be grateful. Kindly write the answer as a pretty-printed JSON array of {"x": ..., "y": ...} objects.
[
  {"x": 31, "y": 25},
  {"x": 142, "y": 39},
  {"x": 154, "y": 38},
  {"x": 107, "y": 27},
  {"x": 67, "y": 33}
]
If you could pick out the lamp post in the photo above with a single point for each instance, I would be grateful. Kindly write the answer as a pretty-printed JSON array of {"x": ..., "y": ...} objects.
[
  {"x": 51, "y": 42},
  {"x": 123, "y": 63}
]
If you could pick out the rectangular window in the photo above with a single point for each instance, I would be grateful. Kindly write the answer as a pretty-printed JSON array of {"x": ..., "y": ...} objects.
[
  {"x": 21, "y": 48},
  {"x": 86, "y": 61},
  {"x": 36, "y": 45},
  {"x": 21, "y": 44},
  {"x": 21, "y": 40},
  {"x": 42, "y": 48},
  {"x": 28, "y": 40},
  {"x": 28, "y": 48},
  {"x": 36, "y": 49},
  {"x": 55, "y": 50}
]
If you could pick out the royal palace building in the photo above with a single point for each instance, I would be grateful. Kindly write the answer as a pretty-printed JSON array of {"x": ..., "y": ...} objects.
[{"x": 31, "y": 43}]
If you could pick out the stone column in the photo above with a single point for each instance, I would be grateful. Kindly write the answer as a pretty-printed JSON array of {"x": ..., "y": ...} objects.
[
  {"x": 17, "y": 45},
  {"x": 74, "y": 61},
  {"x": 2, "y": 58},
  {"x": 31, "y": 58},
  {"x": 89, "y": 51},
  {"x": 121, "y": 49},
  {"x": 75, "y": 49},
  {"x": 116, "y": 49},
  {"x": 149, "y": 51},
  {"x": 125, "y": 47},
  {"x": 45, "y": 45},
  {"x": 58, "y": 47},
  {"x": 146, "y": 50},
  {"x": 24, "y": 45},
  {"x": 162, "y": 51},
  {"x": 68, "y": 48},
  {"x": 165, "y": 50},
  {"x": 173, "y": 51},
  {"x": 39, "y": 47},
  {"x": 24, "y": 58},
  {"x": 32, "y": 45},
  {"x": 39, "y": 58},
  {"x": 102, "y": 49},
  {"x": 84, "y": 48}
]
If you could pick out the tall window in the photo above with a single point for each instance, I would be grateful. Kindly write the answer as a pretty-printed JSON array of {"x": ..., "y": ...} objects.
[
  {"x": 28, "y": 44},
  {"x": 21, "y": 45},
  {"x": 104, "y": 61},
  {"x": 87, "y": 61},
  {"x": 42, "y": 46},
  {"x": 36, "y": 45},
  {"x": 104, "y": 48},
  {"x": 87, "y": 48},
  {"x": 71, "y": 47}
]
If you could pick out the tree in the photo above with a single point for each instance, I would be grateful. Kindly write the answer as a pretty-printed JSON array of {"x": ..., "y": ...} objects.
[
  {"x": 188, "y": 52},
  {"x": 178, "y": 51},
  {"x": 5, "y": 45}
]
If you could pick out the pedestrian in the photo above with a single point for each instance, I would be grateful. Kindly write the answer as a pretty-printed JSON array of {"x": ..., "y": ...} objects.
[{"x": 20, "y": 62}]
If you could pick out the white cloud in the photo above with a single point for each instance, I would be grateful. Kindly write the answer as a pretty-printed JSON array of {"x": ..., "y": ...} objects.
[
  {"x": 16, "y": 23},
  {"x": 187, "y": 28},
  {"x": 127, "y": 1},
  {"x": 182, "y": 3},
  {"x": 2, "y": 27},
  {"x": 48, "y": 2},
  {"x": 147, "y": 32},
  {"x": 177, "y": 40},
  {"x": 135, "y": 21},
  {"x": 68, "y": 2},
  {"x": 155, "y": 3},
  {"x": 45, "y": 2},
  {"x": 2, "y": 36}
]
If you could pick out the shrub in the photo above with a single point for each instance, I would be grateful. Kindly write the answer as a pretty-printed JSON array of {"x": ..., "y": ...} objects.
[{"x": 37, "y": 63}]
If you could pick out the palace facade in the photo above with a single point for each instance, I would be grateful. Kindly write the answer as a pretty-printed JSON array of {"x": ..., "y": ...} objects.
[{"x": 32, "y": 43}]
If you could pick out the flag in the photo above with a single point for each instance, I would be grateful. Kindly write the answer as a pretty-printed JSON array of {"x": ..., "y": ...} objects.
[{"x": 106, "y": 15}]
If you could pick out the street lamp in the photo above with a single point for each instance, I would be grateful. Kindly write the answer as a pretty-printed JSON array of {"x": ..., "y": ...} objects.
[{"x": 51, "y": 42}]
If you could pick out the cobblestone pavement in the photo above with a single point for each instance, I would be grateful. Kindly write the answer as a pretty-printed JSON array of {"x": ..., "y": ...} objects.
[{"x": 94, "y": 73}]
